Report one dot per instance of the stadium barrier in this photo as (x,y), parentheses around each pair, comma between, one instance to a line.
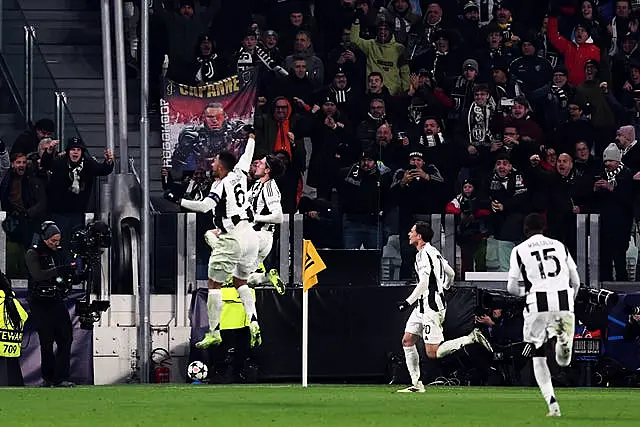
(115,336)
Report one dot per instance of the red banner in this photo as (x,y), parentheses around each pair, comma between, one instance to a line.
(198,122)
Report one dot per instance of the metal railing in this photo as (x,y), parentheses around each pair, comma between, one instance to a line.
(26,69)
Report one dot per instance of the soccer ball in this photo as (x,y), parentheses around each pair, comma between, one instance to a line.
(197,370)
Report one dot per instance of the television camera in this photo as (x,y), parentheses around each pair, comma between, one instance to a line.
(87,245)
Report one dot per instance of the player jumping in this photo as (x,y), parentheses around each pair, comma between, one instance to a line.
(550,285)
(265,201)
(434,276)
(234,243)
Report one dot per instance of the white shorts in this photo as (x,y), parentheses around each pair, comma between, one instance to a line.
(427,325)
(247,239)
(265,242)
(541,327)
(225,253)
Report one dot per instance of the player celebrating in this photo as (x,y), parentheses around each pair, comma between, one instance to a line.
(264,198)
(550,284)
(234,243)
(434,276)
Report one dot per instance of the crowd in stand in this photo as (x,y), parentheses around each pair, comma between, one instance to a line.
(40,181)
(486,109)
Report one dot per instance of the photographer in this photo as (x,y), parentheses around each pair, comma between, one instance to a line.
(46,299)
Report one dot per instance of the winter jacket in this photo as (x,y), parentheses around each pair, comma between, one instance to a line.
(61,198)
(575,56)
(385,58)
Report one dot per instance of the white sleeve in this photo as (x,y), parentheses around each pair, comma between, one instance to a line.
(273,200)
(424,271)
(244,163)
(574,277)
(208,203)
(513,285)
(450,274)
(419,290)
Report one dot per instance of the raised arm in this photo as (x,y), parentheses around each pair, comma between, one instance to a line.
(244,163)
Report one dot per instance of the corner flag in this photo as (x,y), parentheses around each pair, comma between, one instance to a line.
(312,265)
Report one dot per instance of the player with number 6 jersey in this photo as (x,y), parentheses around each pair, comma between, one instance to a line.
(234,243)
(550,283)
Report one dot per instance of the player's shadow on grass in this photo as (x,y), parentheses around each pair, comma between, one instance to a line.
(617,418)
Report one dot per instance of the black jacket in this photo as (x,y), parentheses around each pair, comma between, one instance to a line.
(43,265)
(61,199)
(517,201)
(21,224)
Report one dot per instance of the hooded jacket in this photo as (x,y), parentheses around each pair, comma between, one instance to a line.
(400,22)
(575,55)
(385,58)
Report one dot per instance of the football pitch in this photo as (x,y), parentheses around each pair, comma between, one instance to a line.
(319,405)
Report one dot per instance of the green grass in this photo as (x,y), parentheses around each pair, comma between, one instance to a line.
(319,405)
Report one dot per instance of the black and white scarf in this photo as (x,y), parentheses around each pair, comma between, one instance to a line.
(341,95)
(612,175)
(478,124)
(74,174)
(207,70)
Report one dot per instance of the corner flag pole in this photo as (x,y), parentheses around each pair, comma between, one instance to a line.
(312,264)
(305,338)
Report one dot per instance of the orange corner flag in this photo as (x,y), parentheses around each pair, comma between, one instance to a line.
(311,266)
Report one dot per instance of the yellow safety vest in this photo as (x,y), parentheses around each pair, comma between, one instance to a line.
(233,315)
(10,339)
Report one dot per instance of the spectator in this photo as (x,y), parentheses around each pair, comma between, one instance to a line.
(349,59)
(532,72)
(330,147)
(585,163)
(576,128)
(392,150)
(346,95)
(363,191)
(209,66)
(556,104)
(443,62)
(367,129)
(27,142)
(23,197)
(400,13)
(613,201)
(577,53)
(503,89)
(422,100)
(471,229)
(511,201)
(280,130)
(592,92)
(185,26)
(303,49)
(376,89)
(462,93)
(419,190)
(384,55)
(297,87)
(512,32)
(72,178)
(494,51)
(568,194)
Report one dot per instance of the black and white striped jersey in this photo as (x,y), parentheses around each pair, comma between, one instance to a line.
(265,201)
(228,196)
(550,279)
(434,276)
